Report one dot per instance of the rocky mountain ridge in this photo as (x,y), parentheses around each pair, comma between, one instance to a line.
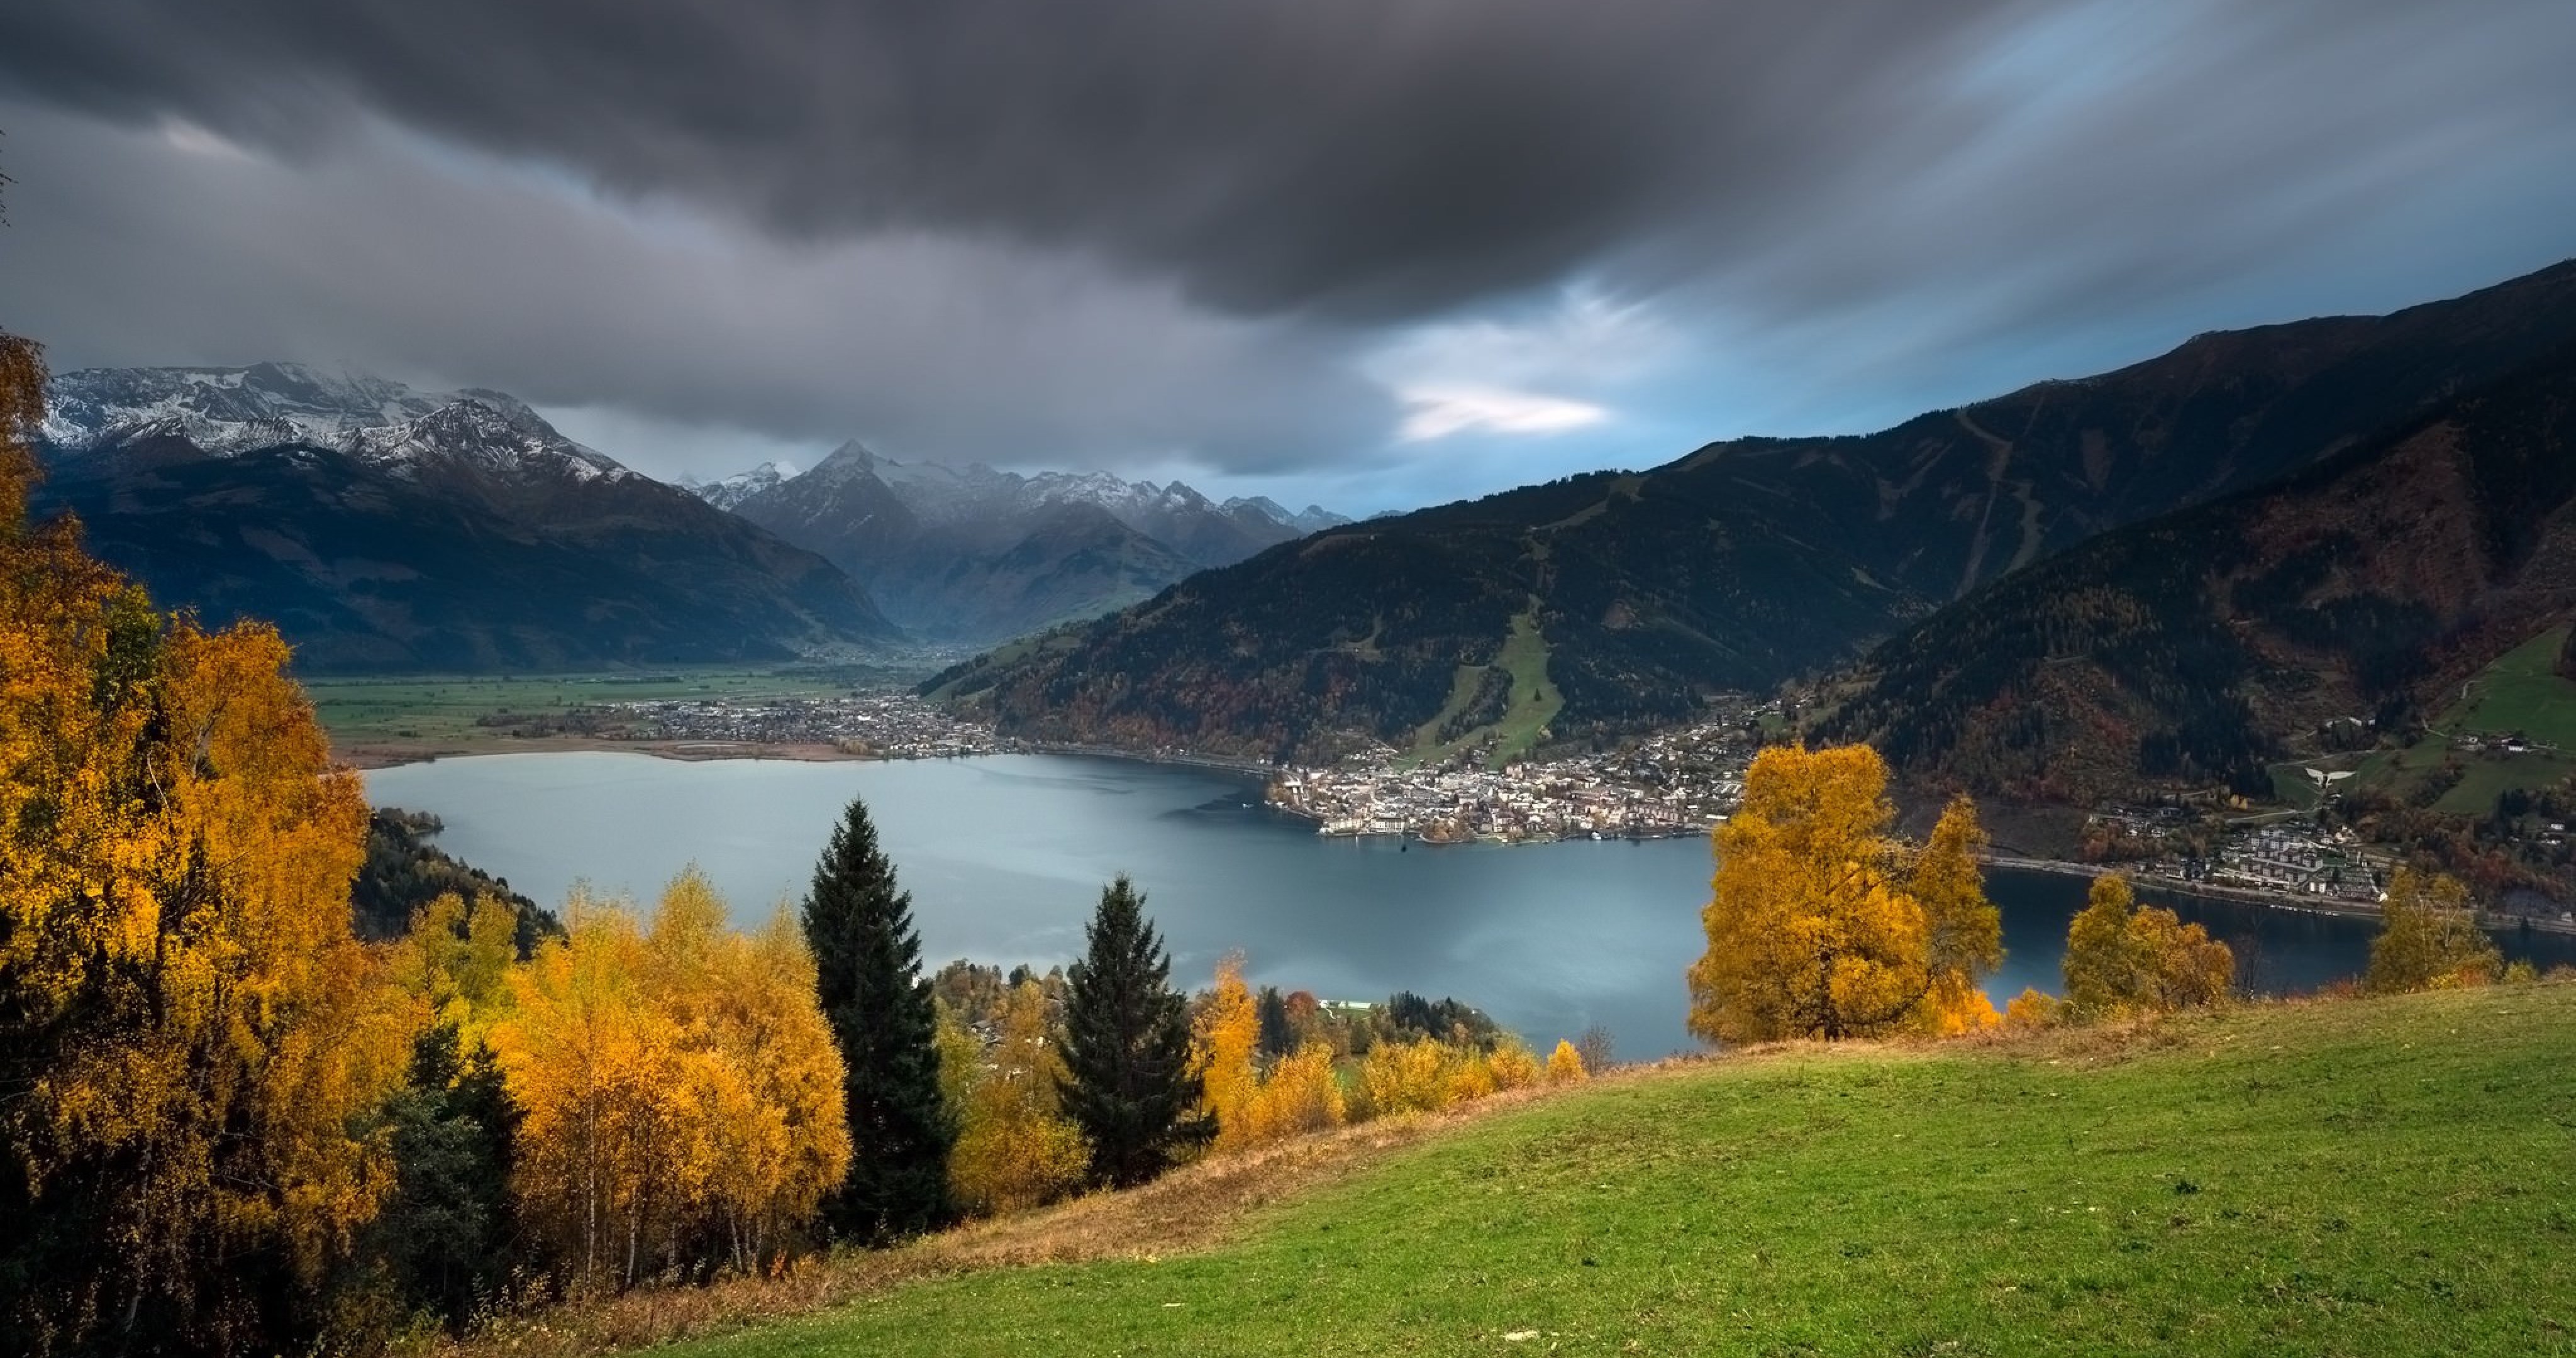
(385,528)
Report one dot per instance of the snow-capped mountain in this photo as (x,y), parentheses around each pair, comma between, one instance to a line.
(225,410)
(480,434)
(740,486)
(977,553)
(387,528)
(156,413)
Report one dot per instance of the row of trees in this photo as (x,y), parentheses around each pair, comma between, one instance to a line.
(1822,924)
(1106,1075)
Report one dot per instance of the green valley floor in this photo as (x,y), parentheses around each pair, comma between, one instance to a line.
(2356,1177)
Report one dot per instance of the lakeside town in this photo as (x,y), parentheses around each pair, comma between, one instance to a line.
(1670,784)
(860,725)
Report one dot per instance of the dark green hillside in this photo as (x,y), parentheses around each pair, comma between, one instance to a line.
(1747,562)
(2195,649)
(2366,1177)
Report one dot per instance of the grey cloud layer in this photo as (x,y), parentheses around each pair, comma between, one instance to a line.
(1358,155)
(1177,230)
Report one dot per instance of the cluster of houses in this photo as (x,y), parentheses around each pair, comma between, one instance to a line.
(878,725)
(1676,783)
(2291,855)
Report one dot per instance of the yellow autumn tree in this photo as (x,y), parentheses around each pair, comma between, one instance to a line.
(186,1030)
(1821,924)
(2122,960)
(1223,1042)
(1015,1148)
(1565,1064)
(2429,937)
(455,961)
(1964,932)
(680,1088)
(591,1063)
(768,1080)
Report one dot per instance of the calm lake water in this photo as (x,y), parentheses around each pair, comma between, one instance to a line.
(1005,856)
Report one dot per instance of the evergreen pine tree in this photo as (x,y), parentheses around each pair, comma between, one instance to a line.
(445,1232)
(1127,1048)
(1278,1038)
(867,973)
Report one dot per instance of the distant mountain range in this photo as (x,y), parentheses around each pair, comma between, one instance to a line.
(1605,602)
(384,528)
(977,554)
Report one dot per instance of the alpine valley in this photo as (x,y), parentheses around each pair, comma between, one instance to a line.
(977,554)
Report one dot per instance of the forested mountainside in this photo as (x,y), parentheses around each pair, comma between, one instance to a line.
(2196,648)
(975,554)
(1613,600)
(387,529)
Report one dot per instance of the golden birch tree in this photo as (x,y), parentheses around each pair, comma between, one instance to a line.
(1812,931)
(1015,1148)
(2429,937)
(1964,932)
(681,1090)
(2123,960)
(1223,1042)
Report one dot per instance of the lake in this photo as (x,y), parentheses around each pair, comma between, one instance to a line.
(1005,856)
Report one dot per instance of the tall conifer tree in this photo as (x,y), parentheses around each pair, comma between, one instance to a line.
(1127,1048)
(867,973)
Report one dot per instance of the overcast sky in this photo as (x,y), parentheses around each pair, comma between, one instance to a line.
(1375,253)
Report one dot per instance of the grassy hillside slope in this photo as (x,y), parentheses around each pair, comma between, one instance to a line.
(2384,1177)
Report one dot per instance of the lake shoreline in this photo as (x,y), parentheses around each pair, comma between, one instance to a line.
(371,756)
(2273,900)
(364,756)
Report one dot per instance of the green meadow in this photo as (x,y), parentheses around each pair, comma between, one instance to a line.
(2390,1176)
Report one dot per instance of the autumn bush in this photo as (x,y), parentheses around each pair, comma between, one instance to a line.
(1301,1094)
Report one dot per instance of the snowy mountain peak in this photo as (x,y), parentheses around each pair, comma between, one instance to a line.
(225,412)
(740,486)
(510,440)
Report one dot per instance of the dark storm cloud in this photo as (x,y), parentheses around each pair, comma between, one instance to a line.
(1432,245)
(1363,156)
